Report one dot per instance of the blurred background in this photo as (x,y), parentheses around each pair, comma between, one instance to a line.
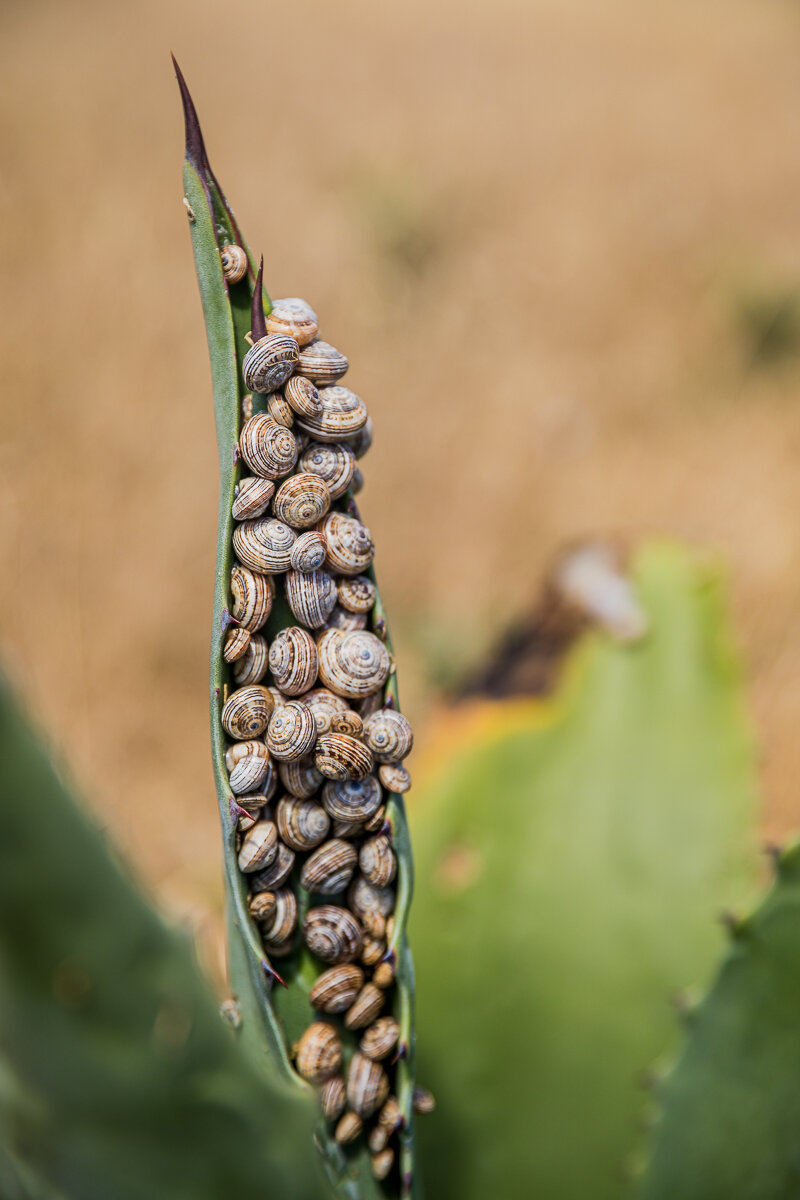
(560,243)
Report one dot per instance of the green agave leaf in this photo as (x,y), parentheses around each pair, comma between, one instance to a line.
(571,860)
(117,1076)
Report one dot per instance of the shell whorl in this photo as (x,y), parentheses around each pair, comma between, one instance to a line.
(292,732)
(350,548)
(334,462)
(269,449)
(311,595)
(343,415)
(269,362)
(352,664)
(264,545)
(293,660)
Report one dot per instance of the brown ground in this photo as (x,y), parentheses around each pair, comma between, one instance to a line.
(560,242)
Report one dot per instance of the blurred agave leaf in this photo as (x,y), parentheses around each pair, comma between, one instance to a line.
(571,857)
(117,1076)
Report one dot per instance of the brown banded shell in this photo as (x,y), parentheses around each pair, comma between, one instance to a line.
(377,861)
(249,774)
(259,847)
(340,756)
(300,777)
(352,664)
(293,660)
(423,1101)
(377,1139)
(391,1115)
(333,1098)
(347,829)
(356,593)
(322,363)
(383,975)
(332,461)
(372,951)
(239,750)
(363,439)
(350,548)
(292,732)
(389,735)
(332,933)
(374,923)
(375,822)
(301,823)
(330,868)
(340,618)
(365,1008)
(295,318)
(277,872)
(348,1129)
(308,552)
(261,905)
(247,407)
(252,595)
(264,545)
(348,722)
(280,410)
(382,1163)
(302,500)
(302,396)
(353,800)
(390,926)
(281,924)
(394,777)
(343,414)
(253,494)
(234,262)
(253,803)
(269,449)
(252,666)
(364,896)
(269,362)
(247,712)
(325,706)
(318,1053)
(236,643)
(246,821)
(367,1085)
(277,696)
(311,595)
(336,989)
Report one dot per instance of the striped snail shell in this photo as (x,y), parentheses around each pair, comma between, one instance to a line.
(365,1008)
(301,823)
(376,821)
(372,950)
(281,924)
(350,545)
(300,777)
(279,870)
(259,847)
(246,821)
(389,735)
(340,756)
(394,777)
(348,1129)
(378,1137)
(369,705)
(292,732)
(377,861)
(264,545)
(334,462)
(234,262)
(252,595)
(269,449)
(247,407)
(293,660)
(255,804)
(336,989)
(325,706)
(348,722)
(311,595)
(347,829)
(269,362)
(367,1085)
(352,664)
(236,643)
(277,695)
(383,975)
(357,482)
(302,500)
(391,1115)
(295,318)
(248,775)
(340,618)
(363,896)
(247,712)
(382,1163)
(253,494)
(333,1098)
(343,414)
(302,397)
(355,800)
(308,552)
(332,933)
(318,1053)
(374,924)
(280,410)
(261,905)
(423,1101)
(322,363)
(251,667)
(330,868)
(363,439)
(240,750)
(356,593)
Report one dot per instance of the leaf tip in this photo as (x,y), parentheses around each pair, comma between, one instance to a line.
(195,147)
(258,322)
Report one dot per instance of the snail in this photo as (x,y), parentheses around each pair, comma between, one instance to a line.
(259,847)
(340,756)
(389,735)
(357,482)
(348,1129)
(330,868)
(264,545)
(367,1085)
(295,318)
(352,664)
(382,1163)
(252,596)
(280,410)
(302,824)
(366,1006)
(378,1137)
(352,800)
(239,750)
(302,397)
(247,712)
(380,1039)
(251,667)
(340,618)
(321,363)
(383,975)
(391,1115)
(236,642)
(234,262)
(249,774)
(308,551)
(302,500)
(261,905)
(362,441)
(335,989)
(377,861)
(333,462)
(292,732)
(311,595)
(279,869)
(423,1100)
(300,777)
(356,593)
(252,498)
(325,706)
(364,896)
(394,777)
(372,951)
(293,660)
(280,926)
(350,548)
(332,933)
(348,722)
(333,1097)
(269,449)
(318,1053)
(273,356)
(343,415)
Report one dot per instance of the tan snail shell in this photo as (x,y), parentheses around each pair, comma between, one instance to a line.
(389,735)
(362,441)
(391,1115)
(382,1163)
(372,951)
(390,926)
(311,595)
(292,732)
(269,362)
(394,777)
(363,896)
(348,722)
(365,1008)
(374,924)
(423,1101)
(336,989)
(352,664)
(264,545)
(246,821)
(367,1085)
(333,461)
(280,410)
(340,618)
(356,593)
(318,1053)
(251,595)
(301,823)
(343,414)
(302,500)
(252,666)
(377,861)
(255,804)
(247,712)
(259,847)
(236,643)
(348,1129)
(332,933)
(330,868)
(375,822)
(239,750)
(333,1097)
(346,829)
(377,1139)
(253,494)
(293,660)
(354,800)
(295,318)
(325,706)
(249,774)
(302,397)
(322,363)
(269,449)
(300,777)
(308,552)
(350,548)
(247,407)
(281,924)
(234,262)
(383,975)
(261,905)
(340,756)
(277,872)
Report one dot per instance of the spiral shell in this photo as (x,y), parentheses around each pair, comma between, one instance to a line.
(292,732)
(352,664)
(239,750)
(389,735)
(383,975)
(349,543)
(261,905)
(363,897)
(340,756)
(394,777)
(375,823)
(269,449)
(355,800)
(302,500)
(249,774)
(343,415)
(293,660)
(340,618)
(423,1101)
(330,868)
(259,847)
(311,595)
(348,722)
(369,705)
(279,870)
(334,462)
(236,643)
(363,439)
(318,1053)
(251,667)
(247,712)
(356,593)
(280,410)
(374,924)
(372,951)
(255,805)
(382,1163)
(264,545)
(308,552)
(301,823)
(348,1129)
(336,989)
(300,777)
(253,494)
(295,318)
(234,262)
(302,397)
(269,362)
(281,924)
(367,1085)
(332,933)
(378,1137)
(377,861)
(365,1008)
(322,363)
(252,595)
(333,1098)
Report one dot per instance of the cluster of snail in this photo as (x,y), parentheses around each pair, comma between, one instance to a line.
(314,749)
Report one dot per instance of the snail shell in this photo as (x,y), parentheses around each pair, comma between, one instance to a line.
(292,731)
(318,1053)
(332,933)
(365,1008)
(374,924)
(367,1085)
(308,552)
(369,705)
(364,896)
(302,500)
(340,618)
(252,666)
(247,407)
(333,462)
(348,722)
(352,664)
(293,660)
(322,363)
(325,706)
(249,774)
(394,777)
(383,975)
(377,861)
(340,756)
(236,643)
(348,1128)
(253,803)
(349,543)
(382,1162)
(333,1098)
(280,410)
(391,1115)
(246,821)
(389,735)
(247,712)
(390,926)
(375,822)
(354,800)
(282,923)
(300,777)
(239,750)
(269,449)
(343,414)
(281,949)
(262,906)
(295,318)
(259,847)
(356,593)
(264,545)
(234,262)
(302,396)
(357,482)
(347,829)
(252,595)
(330,868)
(377,1139)
(311,595)
(269,362)
(423,1101)
(363,439)
(253,494)
(279,870)
(301,823)
(372,951)
(336,989)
